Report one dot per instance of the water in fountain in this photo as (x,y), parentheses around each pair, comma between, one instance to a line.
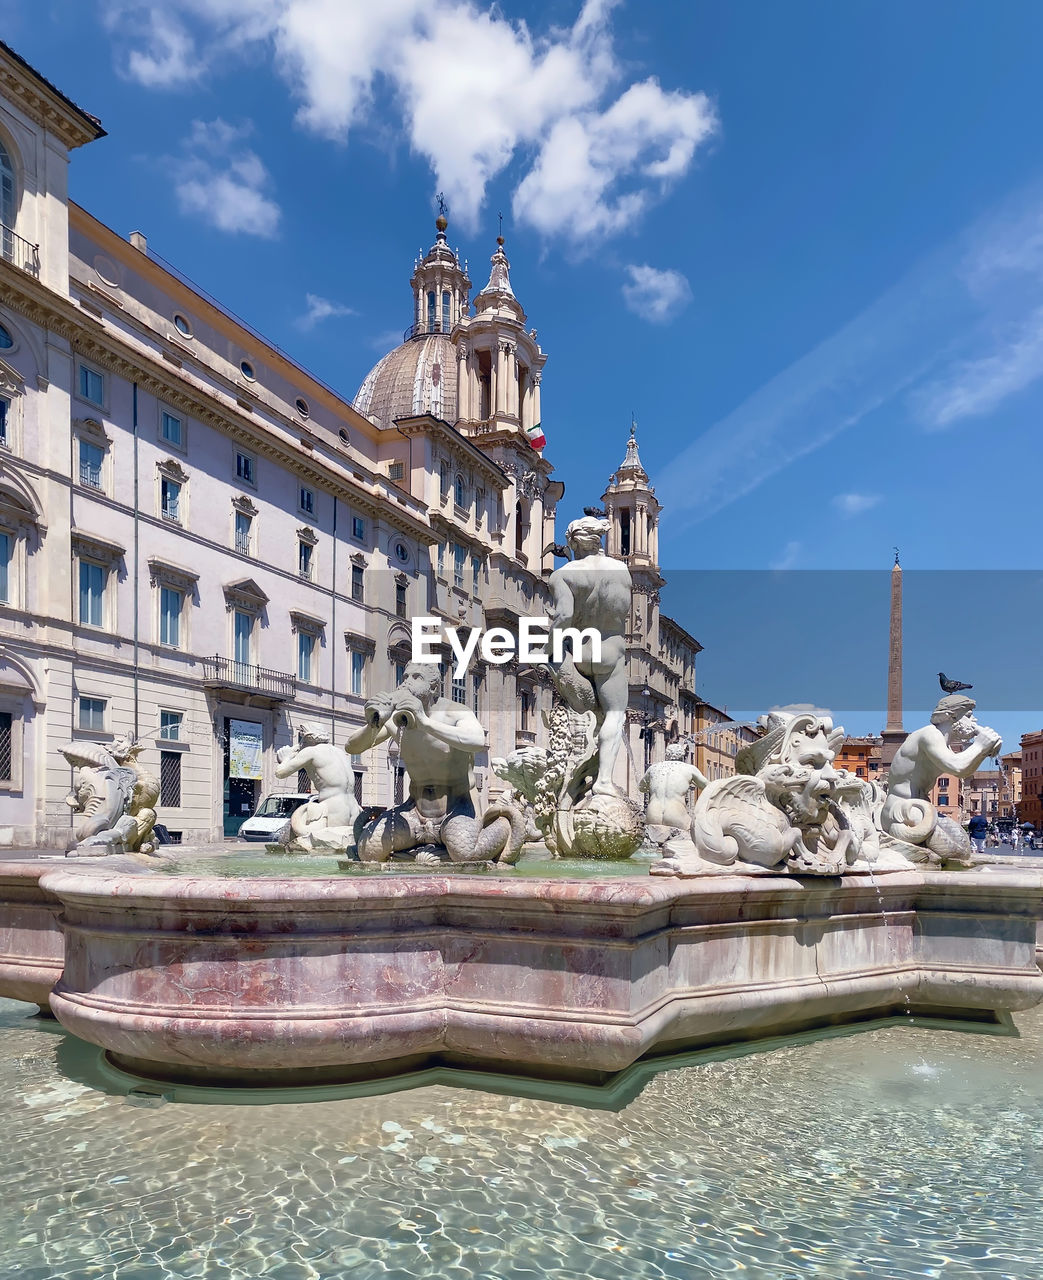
(822,1157)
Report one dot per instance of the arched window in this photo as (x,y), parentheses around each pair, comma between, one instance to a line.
(445,310)
(461,492)
(431,312)
(6,189)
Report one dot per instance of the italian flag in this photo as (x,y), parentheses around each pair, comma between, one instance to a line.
(536,437)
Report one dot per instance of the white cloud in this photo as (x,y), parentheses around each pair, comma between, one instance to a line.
(475,91)
(597,172)
(853,504)
(788,557)
(960,332)
(223,181)
(319,309)
(656,295)
(975,387)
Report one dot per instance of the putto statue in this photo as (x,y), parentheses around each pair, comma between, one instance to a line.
(780,812)
(438,740)
(115,797)
(953,743)
(577,807)
(326,821)
(668,784)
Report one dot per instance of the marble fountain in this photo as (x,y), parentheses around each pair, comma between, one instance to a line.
(791,896)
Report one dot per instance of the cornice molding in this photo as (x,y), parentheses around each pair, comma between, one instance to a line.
(163,573)
(90,339)
(95,547)
(45,106)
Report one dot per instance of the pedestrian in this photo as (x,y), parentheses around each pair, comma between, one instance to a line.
(978,829)
(1015,838)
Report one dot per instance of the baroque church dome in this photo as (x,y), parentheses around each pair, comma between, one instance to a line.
(419,376)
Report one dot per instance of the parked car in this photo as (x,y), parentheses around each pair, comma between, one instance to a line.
(271,815)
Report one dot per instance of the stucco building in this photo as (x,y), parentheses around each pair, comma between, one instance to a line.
(204,546)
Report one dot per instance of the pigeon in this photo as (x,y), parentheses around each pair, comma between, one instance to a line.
(557,549)
(598,512)
(951,686)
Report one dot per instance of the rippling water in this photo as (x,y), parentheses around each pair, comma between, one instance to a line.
(895,1152)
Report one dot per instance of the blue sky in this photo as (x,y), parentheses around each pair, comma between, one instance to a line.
(802,242)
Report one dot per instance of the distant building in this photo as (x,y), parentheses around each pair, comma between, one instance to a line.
(862,757)
(982,793)
(1010,793)
(1031,807)
(718,740)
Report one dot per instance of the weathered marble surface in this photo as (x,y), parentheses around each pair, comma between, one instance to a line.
(240,979)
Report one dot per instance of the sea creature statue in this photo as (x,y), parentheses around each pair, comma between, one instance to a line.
(953,743)
(326,821)
(668,784)
(437,740)
(115,795)
(578,808)
(778,813)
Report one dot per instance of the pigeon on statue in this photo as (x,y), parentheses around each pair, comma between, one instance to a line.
(951,686)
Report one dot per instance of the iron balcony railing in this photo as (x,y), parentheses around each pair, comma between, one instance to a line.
(90,476)
(226,673)
(425,326)
(18,251)
(242,543)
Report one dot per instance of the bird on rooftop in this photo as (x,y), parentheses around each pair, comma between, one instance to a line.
(951,686)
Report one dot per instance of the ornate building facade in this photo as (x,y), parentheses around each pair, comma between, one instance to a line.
(204,546)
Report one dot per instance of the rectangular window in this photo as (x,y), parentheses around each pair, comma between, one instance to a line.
(396,471)
(170,779)
(443,479)
(5,567)
(524,705)
(304,552)
(400,672)
(170,429)
(91,458)
(459,557)
(476,569)
(170,602)
(5,410)
(400,600)
(357,587)
(358,668)
(170,499)
(242,635)
(479,505)
(305,649)
(308,500)
(6,747)
(170,725)
(441,558)
(92,385)
(244,467)
(358,527)
(476,694)
(460,690)
(92,593)
(243,528)
(92,714)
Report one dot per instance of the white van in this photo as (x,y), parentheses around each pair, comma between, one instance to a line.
(272,815)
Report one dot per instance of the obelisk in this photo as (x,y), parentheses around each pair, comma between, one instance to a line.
(894,735)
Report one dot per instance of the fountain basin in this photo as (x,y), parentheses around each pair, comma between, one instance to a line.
(280,981)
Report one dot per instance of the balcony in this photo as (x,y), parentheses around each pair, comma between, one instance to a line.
(90,475)
(423,327)
(245,677)
(19,252)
